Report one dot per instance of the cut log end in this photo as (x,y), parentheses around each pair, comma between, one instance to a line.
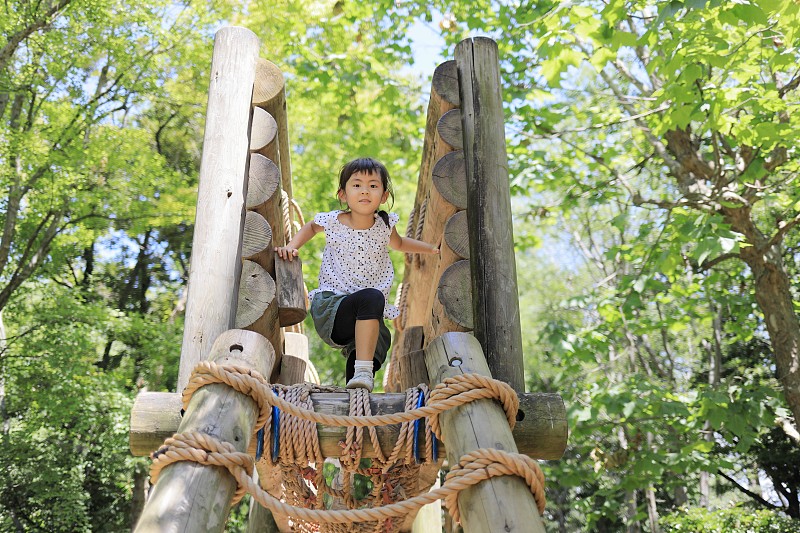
(450,178)
(256,291)
(269,82)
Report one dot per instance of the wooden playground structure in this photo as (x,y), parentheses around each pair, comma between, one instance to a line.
(252,416)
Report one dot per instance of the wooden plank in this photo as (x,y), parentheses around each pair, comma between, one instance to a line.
(494,281)
(292,298)
(541,431)
(193,497)
(497,504)
(216,244)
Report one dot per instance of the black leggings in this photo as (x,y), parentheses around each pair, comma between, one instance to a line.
(366,304)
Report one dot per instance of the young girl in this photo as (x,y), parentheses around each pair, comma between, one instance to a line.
(350,303)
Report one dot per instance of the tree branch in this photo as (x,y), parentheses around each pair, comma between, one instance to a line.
(750,493)
(14,40)
(783,229)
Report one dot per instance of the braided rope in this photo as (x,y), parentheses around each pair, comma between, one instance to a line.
(410,231)
(451,392)
(288,229)
(477,466)
(473,468)
(420,225)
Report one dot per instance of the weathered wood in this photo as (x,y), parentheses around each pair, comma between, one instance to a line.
(268,325)
(445,84)
(194,497)
(294,368)
(456,234)
(449,128)
(292,297)
(497,504)
(261,520)
(296,344)
(412,369)
(424,278)
(429,518)
(264,180)
(495,298)
(256,291)
(215,262)
(454,293)
(257,237)
(269,94)
(418,281)
(440,323)
(450,179)
(272,211)
(263,130)
(541,431)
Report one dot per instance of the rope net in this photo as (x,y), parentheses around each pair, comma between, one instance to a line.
(351,493)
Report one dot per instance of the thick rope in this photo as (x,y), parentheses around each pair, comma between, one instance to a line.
(473,468)
(420,225)
(451,392)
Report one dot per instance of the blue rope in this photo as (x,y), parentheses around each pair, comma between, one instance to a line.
(417,422)
(276,431)
(259,443)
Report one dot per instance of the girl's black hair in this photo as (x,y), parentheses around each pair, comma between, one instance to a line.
(367,165)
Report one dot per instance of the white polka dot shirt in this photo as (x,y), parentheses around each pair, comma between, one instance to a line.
(356,259)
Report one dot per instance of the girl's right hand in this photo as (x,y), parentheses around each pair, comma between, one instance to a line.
(286,252)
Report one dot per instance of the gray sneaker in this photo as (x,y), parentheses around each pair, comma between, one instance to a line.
(361,380)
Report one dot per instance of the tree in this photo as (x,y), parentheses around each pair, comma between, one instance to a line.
(659,138)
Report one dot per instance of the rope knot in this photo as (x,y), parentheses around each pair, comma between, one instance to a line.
(486,463)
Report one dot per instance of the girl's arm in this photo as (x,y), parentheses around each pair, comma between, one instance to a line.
(409,245)
(300,238)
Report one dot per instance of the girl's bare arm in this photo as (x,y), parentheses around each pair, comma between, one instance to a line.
(409,245)
(304,235)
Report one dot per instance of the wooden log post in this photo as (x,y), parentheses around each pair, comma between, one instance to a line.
(540,433)
(270,94)
(449,128)
(497,504)
(451,309)
(193,497)
(263,131)
(215,263)
(417,281)
(494,272)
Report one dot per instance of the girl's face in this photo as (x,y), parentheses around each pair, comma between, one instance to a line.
(364,193)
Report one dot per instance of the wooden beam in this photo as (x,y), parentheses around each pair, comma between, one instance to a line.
(494,272)
(541,432)
(216,245)
(497,504)
(194,497)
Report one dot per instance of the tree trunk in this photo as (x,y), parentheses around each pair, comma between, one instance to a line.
(774,297)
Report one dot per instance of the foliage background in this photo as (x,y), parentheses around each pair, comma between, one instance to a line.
(652,154)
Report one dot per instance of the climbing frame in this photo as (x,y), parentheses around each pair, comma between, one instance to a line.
(242,411)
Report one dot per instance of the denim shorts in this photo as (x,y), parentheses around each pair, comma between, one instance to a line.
(323,311)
